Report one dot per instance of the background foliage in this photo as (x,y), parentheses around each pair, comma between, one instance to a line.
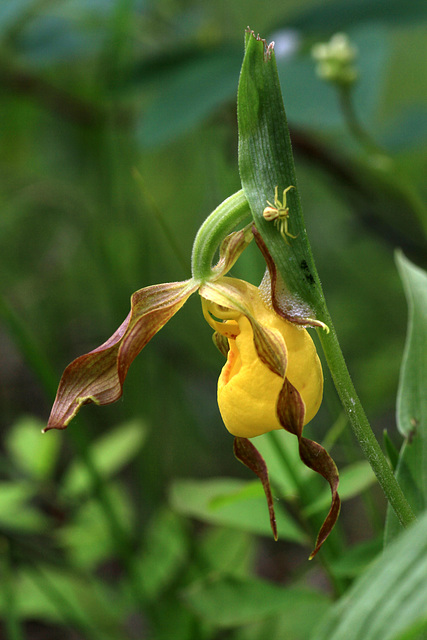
(118,138)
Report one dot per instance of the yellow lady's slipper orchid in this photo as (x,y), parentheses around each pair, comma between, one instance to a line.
(248,389)
(249,384)
(272,378)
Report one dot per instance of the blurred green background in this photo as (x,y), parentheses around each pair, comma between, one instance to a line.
(118,136)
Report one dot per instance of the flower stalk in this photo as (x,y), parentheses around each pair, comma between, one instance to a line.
(215,228)
(361,427)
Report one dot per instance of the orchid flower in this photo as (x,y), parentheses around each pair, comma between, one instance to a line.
(272,378)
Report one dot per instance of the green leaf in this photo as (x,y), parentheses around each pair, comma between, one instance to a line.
(280,450)
(355,560)
(411,470)
(228,601)
(165,550)
(87,539)
(389,600)
(33,453)
(188,93)
(233,503)
(266,162)
(58,595)
(412,397)
(224,553)
(15,511)
(109,453)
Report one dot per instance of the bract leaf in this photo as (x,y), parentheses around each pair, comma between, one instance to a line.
(266,164)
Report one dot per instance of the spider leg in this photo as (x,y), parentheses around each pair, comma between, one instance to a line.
(283,232)
(285,191)
(285,223)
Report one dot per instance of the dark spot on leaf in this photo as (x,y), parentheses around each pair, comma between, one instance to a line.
(307,273)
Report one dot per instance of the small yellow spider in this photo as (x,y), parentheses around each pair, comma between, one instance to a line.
(279,212)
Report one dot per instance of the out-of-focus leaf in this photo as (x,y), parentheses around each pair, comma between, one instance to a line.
(228,552)
(391,449)
(232,503)
(276,448)
(411,471)
(33,453)
(356,559)
(53,39)
(165,550)
(353,480)
(412,396)
(408,130)
(337,15)
(109,454)
(295,624)
(15,512)
(194,90)
(228,601)
(389,600)
(87,539)
(11,12)
(58,595)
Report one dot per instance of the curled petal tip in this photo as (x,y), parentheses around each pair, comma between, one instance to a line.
(98,376)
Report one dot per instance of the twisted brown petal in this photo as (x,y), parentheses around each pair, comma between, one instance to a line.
(290,411)
(245,451)
(98,376)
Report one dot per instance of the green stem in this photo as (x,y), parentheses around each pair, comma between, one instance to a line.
(361,427)
(219,224)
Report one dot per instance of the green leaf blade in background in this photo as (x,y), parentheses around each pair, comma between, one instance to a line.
(389,600)
(110,453)
(190,91)
(411,470)
(230,601)
(266,161)
(34,455)
(412,397)
(233,503)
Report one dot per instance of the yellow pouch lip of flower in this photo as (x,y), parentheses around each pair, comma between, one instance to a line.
(248,390)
